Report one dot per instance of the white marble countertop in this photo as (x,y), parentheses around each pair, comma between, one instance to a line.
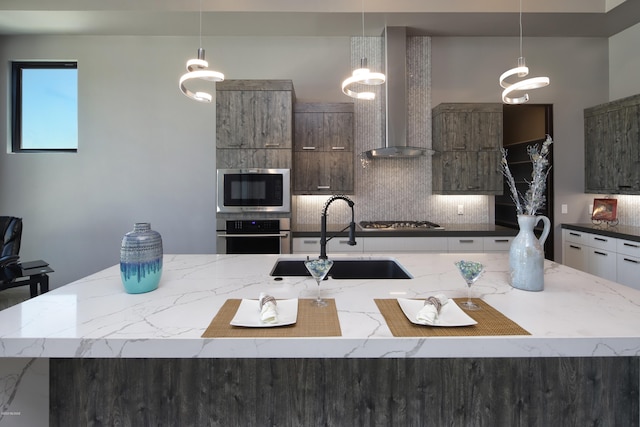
(576,315)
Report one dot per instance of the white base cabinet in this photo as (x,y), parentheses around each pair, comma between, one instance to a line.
(374,244)
(614,259)
(628,263)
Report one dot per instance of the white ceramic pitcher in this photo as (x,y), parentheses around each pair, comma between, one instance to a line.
(526,255)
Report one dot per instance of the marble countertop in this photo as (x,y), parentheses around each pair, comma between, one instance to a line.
(576,315)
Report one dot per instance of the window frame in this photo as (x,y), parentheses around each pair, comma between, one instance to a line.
(16,103)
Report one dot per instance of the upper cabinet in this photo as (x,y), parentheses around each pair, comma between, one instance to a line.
(467,139)
(323,148)
(612,147)
(254,123)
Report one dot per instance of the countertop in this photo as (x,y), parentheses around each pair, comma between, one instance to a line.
(626,232)
(576,315)
(450,230)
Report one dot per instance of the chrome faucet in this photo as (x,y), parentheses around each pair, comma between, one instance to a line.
(323,225)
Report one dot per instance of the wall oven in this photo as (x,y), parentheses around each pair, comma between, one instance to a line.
(253,236)
(254,190)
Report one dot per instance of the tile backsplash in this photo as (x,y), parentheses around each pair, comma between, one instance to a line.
(395,189)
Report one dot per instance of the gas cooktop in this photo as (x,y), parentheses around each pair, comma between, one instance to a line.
(400,225)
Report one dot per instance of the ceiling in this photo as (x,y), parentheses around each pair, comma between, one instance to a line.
(541,18)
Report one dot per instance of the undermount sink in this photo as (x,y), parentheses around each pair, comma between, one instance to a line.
(346,268)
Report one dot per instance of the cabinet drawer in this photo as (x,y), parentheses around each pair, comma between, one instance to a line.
(499,244)
(602,263)
(405,244)
(575,256)
(575,236)
(311,245)
(629,247)
(628,270)
(602,242)
(303,245)
(465,244)
(341,245)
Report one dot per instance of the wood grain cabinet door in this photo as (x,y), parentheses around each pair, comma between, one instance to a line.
(612,152)
(467,139)
(323,149)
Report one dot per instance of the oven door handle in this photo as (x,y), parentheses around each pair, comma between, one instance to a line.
(252,235)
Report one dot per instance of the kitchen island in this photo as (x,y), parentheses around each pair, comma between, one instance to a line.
(579,363)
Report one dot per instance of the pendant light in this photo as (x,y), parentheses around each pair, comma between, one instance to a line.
(197,69)
(522,71)
(362,76)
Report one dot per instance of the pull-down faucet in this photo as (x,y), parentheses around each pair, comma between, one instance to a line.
(323,225)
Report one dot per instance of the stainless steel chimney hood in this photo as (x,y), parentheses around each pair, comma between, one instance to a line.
(395,39)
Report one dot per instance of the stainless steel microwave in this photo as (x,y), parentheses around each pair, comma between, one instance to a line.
(254,190)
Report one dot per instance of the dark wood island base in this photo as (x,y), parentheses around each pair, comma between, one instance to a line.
(593,391)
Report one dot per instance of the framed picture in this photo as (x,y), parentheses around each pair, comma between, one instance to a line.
(604,209)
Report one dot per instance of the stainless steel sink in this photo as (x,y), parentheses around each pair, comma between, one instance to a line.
(346,268)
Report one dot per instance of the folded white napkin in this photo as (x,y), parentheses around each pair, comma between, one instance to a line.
(432,305)
(268,308)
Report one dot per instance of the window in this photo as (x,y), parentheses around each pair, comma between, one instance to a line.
(44,106)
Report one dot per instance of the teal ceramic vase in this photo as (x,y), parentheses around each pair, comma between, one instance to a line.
(141,259)
(526,255)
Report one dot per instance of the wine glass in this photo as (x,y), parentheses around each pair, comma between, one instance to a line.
(471,271)
(319,269)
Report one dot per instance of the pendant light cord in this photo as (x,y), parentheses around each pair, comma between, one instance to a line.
(521,28)
(201,22)
(363,18)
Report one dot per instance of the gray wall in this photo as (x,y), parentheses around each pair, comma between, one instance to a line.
(146,153)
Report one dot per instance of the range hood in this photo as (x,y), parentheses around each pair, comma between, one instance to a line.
(395,48)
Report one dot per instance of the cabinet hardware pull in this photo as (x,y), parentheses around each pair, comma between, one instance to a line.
(308,148)
(324,187)
(272,144)
(575,234)
(631,260)
(600,239)
(310,242)
(600,253)
(575,247)
(337,148)
(466,240)
(624,186)
(630,245)
(343,242)
(501,240)
(460,148)
(472,187)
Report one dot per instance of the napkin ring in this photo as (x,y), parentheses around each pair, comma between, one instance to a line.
(266,299)
(434,301)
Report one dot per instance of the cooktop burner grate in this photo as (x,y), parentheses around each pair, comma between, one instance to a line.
(399,225)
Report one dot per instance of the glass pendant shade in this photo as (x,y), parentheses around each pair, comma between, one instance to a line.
(197,69)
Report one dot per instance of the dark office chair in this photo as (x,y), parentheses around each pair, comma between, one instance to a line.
(10,237)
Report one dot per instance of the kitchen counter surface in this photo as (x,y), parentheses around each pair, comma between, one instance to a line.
(576,315)
(626,232)
(450,230)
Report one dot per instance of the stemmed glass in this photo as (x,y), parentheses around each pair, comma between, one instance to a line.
(319,269)
(471,271)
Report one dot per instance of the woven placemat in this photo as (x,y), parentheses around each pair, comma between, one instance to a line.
(312,321)
(490,322)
